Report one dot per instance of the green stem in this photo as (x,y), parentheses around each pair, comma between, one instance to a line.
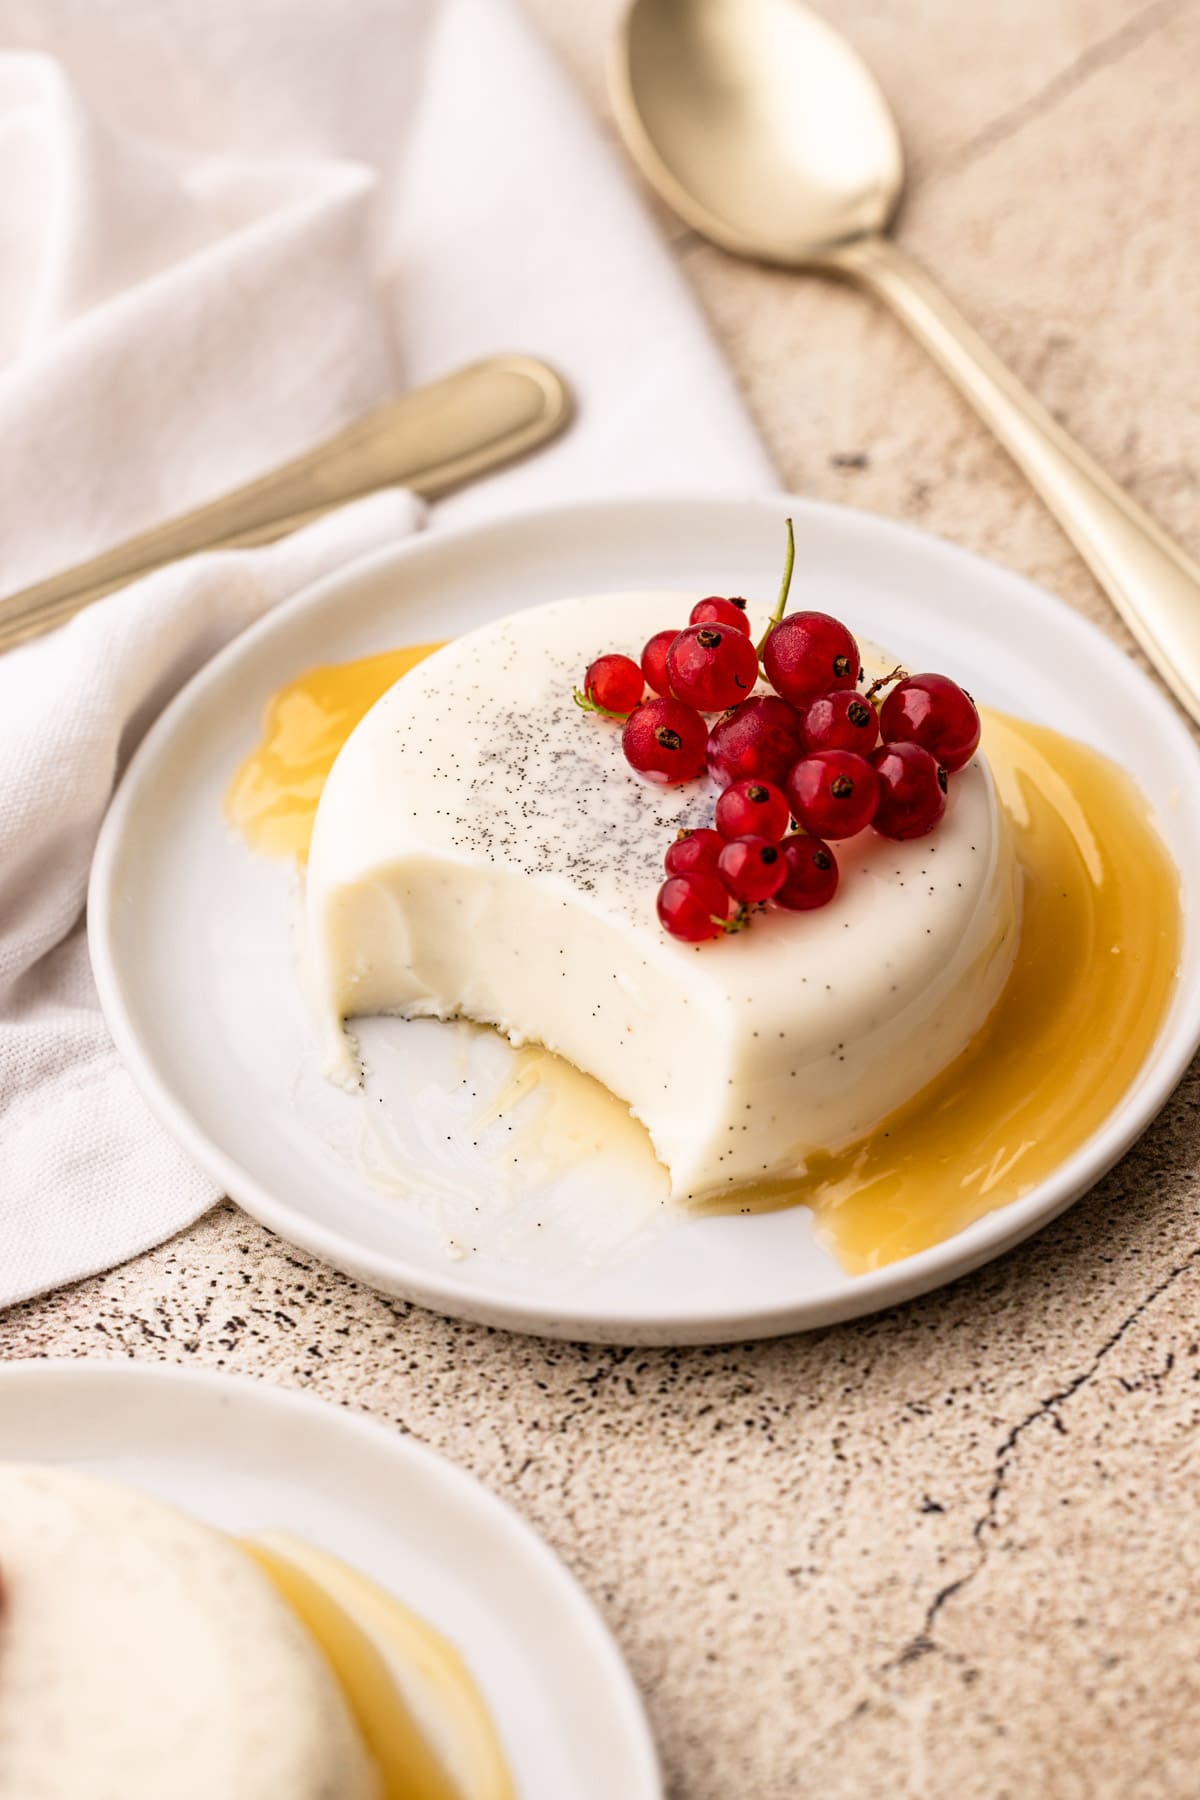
(784,586)
(585,703)
(739,922)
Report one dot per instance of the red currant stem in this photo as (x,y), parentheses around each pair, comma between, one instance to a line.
(585,703)
(784,587)
(739,922)
(885,681)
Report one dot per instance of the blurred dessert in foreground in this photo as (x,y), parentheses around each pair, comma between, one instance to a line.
(145,1655)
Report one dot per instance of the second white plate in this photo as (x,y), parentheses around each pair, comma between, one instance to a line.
(247,1457)
(191,938)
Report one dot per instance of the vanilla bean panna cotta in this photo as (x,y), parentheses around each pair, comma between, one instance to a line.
(144,1655)
(141,1654)
(482,849)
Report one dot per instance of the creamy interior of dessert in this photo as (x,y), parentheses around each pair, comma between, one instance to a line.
(482,849)
(144,1654)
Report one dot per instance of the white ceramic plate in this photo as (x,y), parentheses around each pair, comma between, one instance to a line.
(191,941)
(246,1457)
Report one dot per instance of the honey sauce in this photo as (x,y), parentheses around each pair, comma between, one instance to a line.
(378,1650)
(272,800)
(1093,977)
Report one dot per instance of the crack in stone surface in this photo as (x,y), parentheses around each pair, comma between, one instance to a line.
(1101,55)
(924,1641)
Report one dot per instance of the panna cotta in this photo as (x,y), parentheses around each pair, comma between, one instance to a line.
(483,850)
(143,1655)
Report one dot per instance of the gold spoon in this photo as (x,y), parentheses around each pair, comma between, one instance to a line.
(431,439)
(762,129)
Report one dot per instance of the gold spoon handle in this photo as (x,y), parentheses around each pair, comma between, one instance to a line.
(429,440)
(1153,584)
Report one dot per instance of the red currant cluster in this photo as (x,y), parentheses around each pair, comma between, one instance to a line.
(816,754)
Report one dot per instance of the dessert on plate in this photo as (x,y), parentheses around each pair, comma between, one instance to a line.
(841,903)
(145,1654)
(835,938)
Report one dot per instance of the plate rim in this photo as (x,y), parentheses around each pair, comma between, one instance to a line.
(992,1235)
(408,1453)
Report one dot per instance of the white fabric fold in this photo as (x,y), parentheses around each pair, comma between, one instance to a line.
(227,230)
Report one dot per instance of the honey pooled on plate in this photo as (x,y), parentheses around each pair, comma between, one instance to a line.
(272,800)
(400,1677)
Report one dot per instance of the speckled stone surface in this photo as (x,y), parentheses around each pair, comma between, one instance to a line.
(949,1551)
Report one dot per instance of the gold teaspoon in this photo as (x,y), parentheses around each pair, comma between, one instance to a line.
(762,128)
(431,439)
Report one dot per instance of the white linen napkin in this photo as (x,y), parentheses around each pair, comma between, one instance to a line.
(227,230)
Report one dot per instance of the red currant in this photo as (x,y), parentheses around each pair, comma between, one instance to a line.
(694,853)
(716,610)
(912,790)
(712,667)
(759,740)
(693,907)
(665,740)
(752,868)
(614,684)
(812,874)
(654,661)
(933,711)
(753,809)
(842,720)
(809,653)
(833,793)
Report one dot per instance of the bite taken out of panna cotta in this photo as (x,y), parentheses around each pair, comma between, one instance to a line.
(482,849)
